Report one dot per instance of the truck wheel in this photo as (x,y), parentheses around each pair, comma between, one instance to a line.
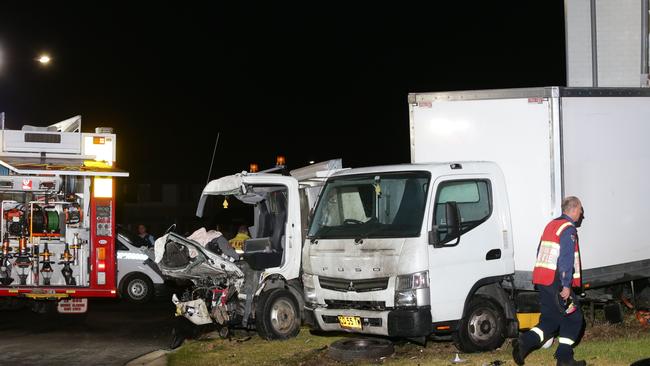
(137,288)
(483,328)
(277,315)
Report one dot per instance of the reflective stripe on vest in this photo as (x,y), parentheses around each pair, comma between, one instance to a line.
(577,266)
(548,253)
(562,227)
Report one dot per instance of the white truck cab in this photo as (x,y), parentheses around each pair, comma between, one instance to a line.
(276,201)
(380,257)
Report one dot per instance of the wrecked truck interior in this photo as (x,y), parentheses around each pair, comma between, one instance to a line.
(225,281)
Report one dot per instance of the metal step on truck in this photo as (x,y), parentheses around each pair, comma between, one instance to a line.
(57,216)
(258,287)
(446,245)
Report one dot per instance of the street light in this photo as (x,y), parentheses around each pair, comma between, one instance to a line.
(44,59)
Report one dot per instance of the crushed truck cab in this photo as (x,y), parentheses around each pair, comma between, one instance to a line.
(260,286)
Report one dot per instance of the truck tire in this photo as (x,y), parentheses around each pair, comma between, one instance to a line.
(483,328)
(277,315)
(137,288)
(356,349)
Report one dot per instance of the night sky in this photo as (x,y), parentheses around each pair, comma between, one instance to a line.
(311,83)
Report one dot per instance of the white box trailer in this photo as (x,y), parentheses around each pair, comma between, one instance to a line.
(447,244)
(553,142)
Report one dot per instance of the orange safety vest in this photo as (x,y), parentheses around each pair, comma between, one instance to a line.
(548,253)
(238,241)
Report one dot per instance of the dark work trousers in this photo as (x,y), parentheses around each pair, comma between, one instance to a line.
(553,322)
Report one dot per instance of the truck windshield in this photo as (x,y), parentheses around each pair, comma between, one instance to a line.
(386,205)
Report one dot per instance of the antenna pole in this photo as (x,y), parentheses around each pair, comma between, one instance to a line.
(216,143)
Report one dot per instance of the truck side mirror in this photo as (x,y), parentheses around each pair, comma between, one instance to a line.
(452,228)
(453,220)
(433,237)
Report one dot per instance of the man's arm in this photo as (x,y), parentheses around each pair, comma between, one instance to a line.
(567,256)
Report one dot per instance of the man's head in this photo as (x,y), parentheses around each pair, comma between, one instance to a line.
(243,229)
(572,207)
(142,229)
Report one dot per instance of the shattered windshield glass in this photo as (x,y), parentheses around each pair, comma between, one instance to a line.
(386,205)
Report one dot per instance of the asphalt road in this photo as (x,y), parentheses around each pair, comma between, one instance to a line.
(113,333)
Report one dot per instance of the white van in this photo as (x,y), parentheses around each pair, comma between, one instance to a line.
(138,278)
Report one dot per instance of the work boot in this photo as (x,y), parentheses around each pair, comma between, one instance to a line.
(571,362)
(518,353)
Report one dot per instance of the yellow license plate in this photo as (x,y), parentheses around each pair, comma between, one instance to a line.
(351,322)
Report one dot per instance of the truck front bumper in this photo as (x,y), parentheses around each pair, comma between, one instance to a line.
(407,323)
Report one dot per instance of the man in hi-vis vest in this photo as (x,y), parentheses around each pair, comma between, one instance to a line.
(557,271)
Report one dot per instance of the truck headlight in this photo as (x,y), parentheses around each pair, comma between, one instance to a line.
(308,280)
(309,288)
(406,298)
(406,294)
(190,310)
(310,295)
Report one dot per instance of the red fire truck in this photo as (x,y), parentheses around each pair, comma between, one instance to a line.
(57,215)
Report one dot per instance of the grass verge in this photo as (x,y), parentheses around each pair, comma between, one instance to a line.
(603,344)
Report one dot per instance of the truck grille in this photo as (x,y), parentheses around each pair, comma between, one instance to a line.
(339,284)
(357,305)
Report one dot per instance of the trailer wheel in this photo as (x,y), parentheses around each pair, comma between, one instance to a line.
(137,288)
(483,328)
(277,315)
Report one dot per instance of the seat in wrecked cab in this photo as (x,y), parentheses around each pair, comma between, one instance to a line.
(265,251)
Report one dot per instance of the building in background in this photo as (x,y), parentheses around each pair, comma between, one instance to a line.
(607,43)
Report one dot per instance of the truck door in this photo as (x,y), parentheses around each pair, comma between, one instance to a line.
(458,262)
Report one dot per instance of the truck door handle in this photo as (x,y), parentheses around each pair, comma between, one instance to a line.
(493,254)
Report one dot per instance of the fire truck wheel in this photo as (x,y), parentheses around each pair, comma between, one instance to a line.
(277,315)
(483,328)
(137,288)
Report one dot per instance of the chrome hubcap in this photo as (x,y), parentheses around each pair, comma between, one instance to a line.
(283,315)
(137,289)
(482,325)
